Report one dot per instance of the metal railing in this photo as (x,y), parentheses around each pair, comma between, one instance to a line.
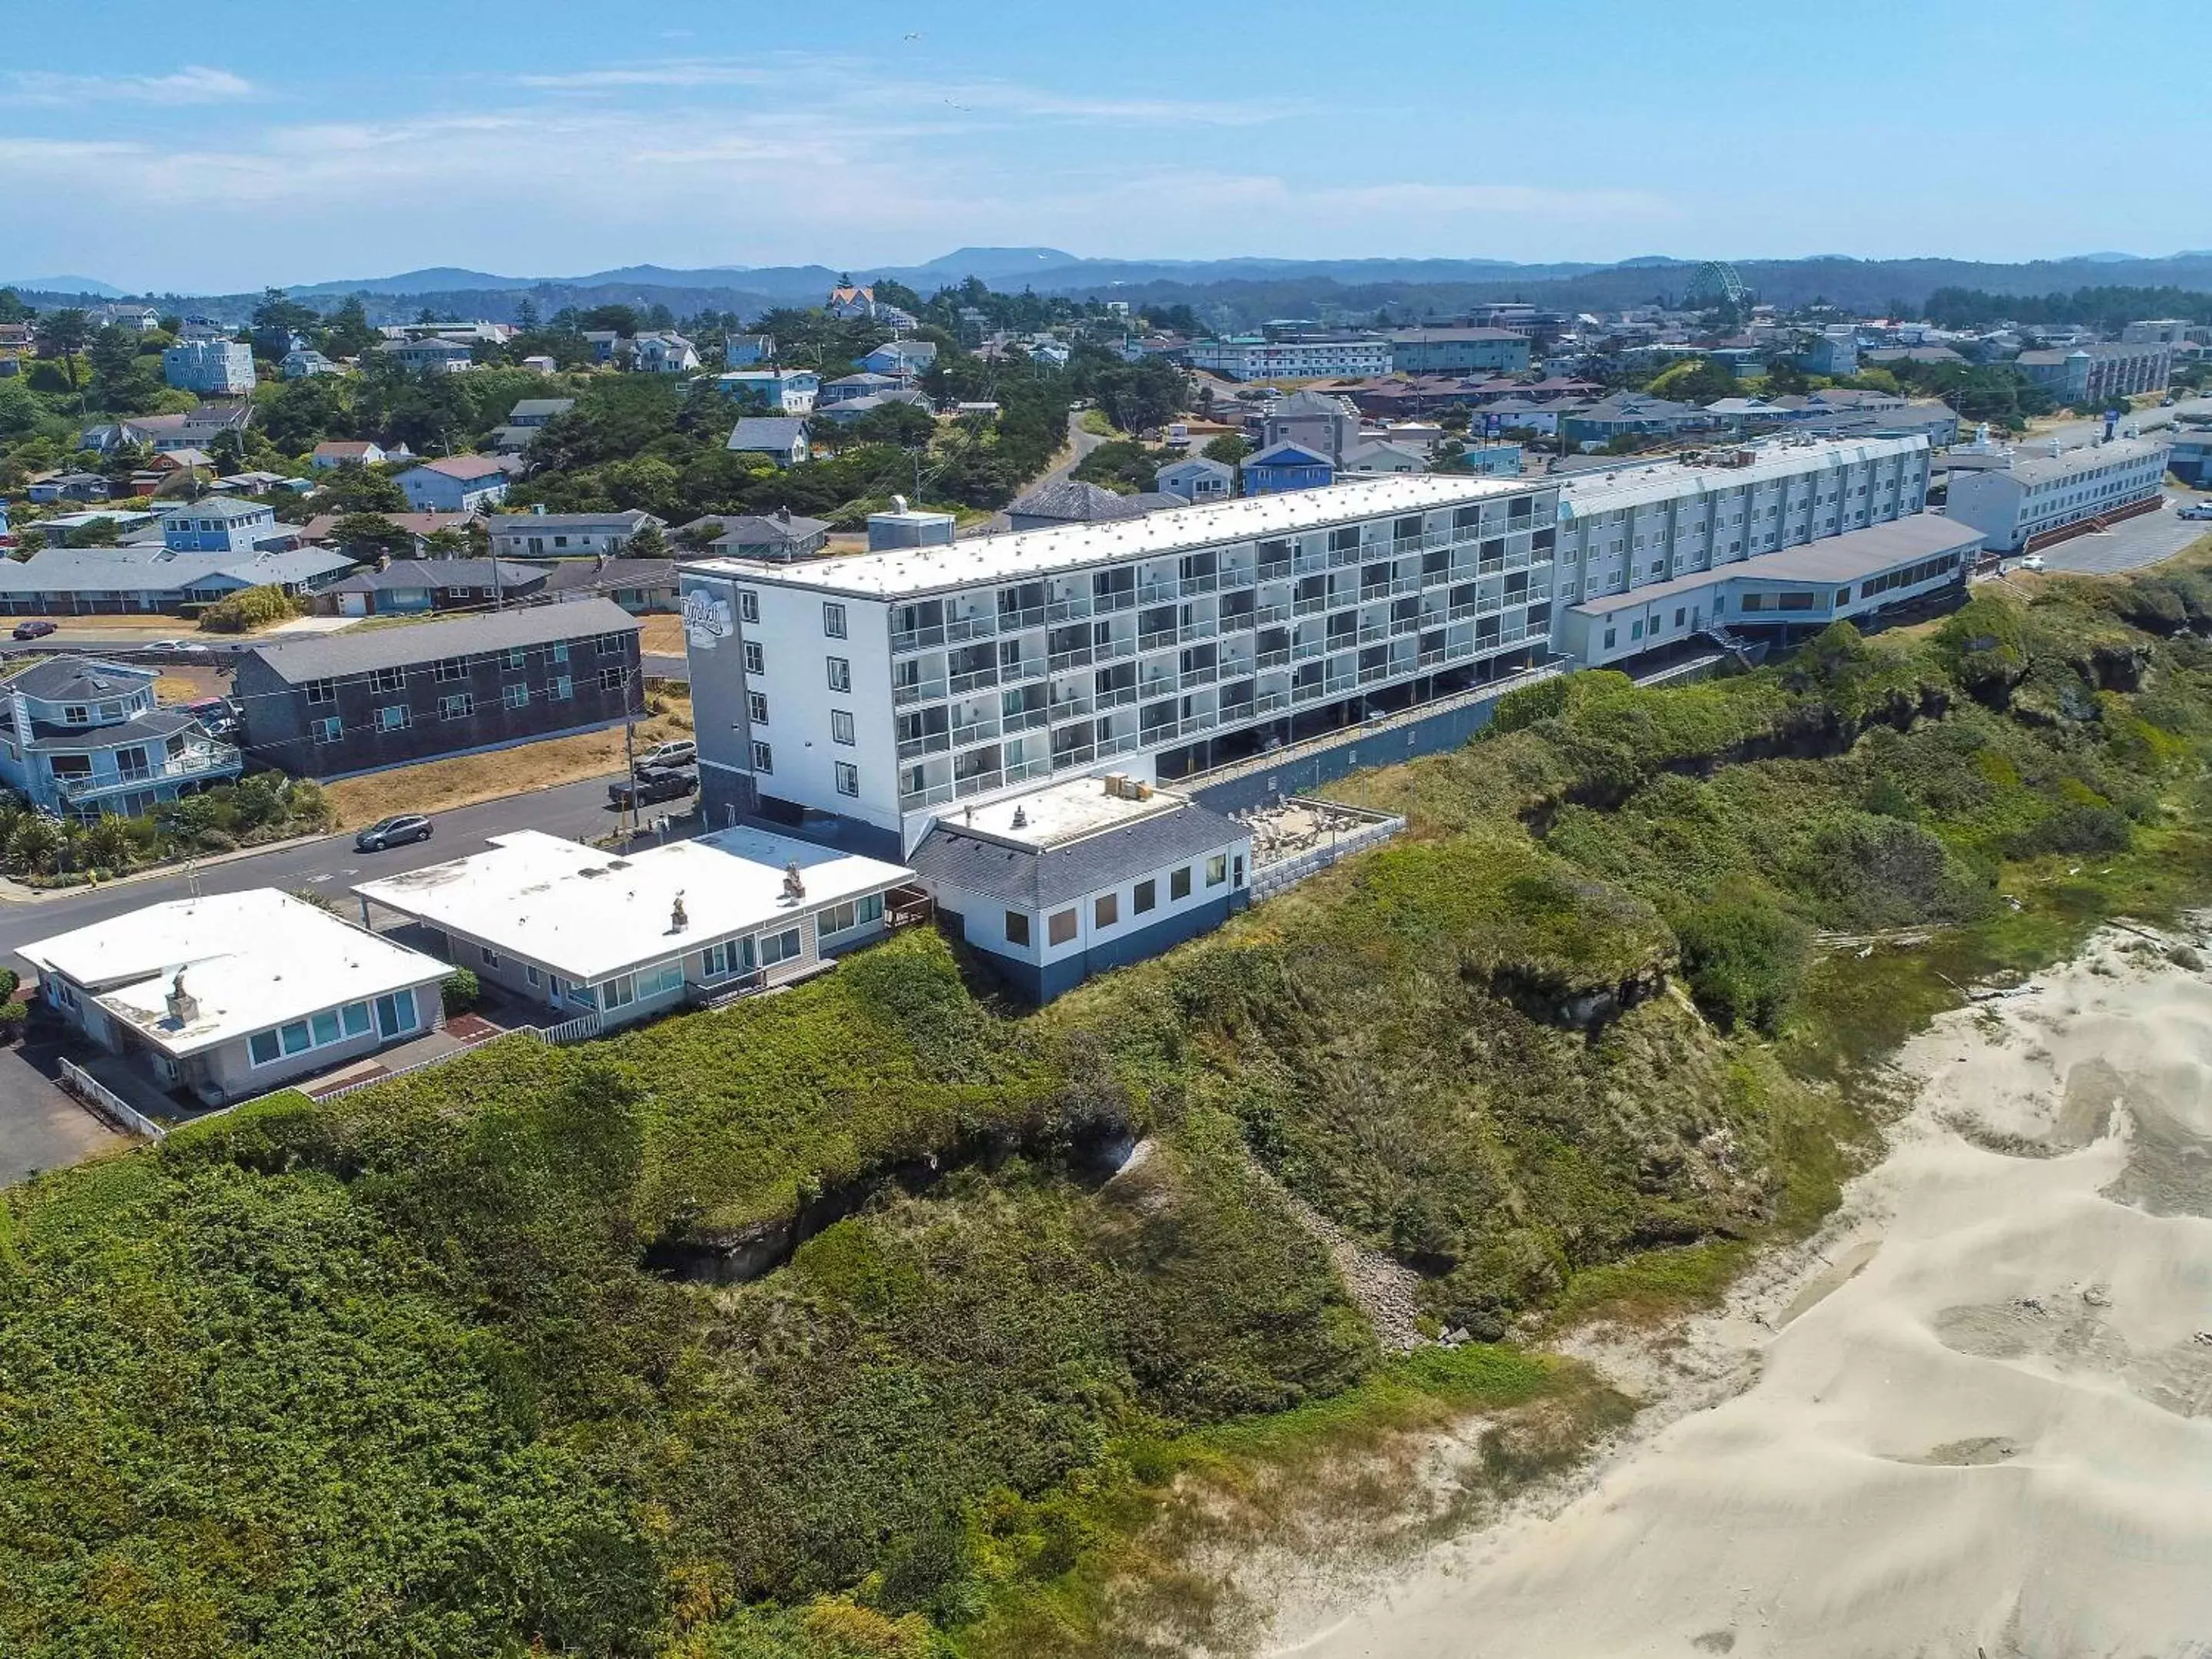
(929,742)
(916,639)
(197,762)
(922,692)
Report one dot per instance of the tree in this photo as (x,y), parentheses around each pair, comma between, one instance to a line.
(277,318)
(347,333)
(526,316)
(63,336)
(361,490)
(365,535)
(95,533)
(647,544)
(448,543)
(121,382)
(1229,448)
(12,309)
(621,320)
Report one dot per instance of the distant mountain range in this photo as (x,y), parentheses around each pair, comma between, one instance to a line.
(1226,292)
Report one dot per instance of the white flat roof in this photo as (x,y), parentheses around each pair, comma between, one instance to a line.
(1634,484)
(904,572)
(252,960)
(2030,467)
(585,913)
(1060,813)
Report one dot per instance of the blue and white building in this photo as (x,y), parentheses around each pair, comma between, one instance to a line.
(216,524)
(1285,467)
(778,390)
(83,737)
(1086,875)
(214,368)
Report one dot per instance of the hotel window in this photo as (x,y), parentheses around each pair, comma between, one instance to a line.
(559,653)
(1059,927)
(458,707)
(1144,897)
(847,776)
(320,691)
(1017,927)
(757,708)
(452,668)
(840,673)
(331,730)
(763,758)
(748,605)
(393,717)
(610,679)
(563,688)
(516,656)
(840,726)
(754,663)
(515,694)
(389,679)
(1106,910)
(833,621)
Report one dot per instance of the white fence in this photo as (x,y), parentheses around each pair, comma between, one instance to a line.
(579,1029)
(105,1103)
(1269,879)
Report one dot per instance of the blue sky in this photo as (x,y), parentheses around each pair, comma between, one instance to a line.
(229,145)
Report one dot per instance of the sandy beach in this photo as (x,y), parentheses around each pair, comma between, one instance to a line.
(1973,1417)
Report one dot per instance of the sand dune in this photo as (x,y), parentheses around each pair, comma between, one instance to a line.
(1981,1421)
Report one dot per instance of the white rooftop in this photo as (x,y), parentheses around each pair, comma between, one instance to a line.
(252,960)
(1639,484)
(585,913)
(2030,467)
(1059,813)
(904,572)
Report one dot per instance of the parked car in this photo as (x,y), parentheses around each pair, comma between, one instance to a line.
(677,752)
(33,631)
(649,787)
(2032,562)
(2197,510)
(393,832)
(172,647)
(218,714)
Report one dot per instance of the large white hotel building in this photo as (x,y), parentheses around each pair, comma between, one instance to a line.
(889,687)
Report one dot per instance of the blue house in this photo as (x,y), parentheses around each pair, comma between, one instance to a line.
(1287,466)
(900,359)
(84,738)
(218,525)
(457,483)
(743,350)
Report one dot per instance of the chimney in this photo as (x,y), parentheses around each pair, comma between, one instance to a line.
(678,920)
(794,887)
(783,515)
(184,1006)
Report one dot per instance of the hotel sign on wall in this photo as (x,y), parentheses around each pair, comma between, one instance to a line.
(706,619)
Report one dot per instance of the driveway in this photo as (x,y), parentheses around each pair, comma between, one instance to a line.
(41,1127)
(2131,543)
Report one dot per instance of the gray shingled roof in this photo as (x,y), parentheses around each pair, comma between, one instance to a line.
(442,573)
(1034,880)
(769,530)
(766,432)
(360,651)
(77,679)
(1072,501)
(150,727)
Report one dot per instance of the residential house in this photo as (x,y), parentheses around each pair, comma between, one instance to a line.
(139,320)
(620,936)
(346,452)
(337,704)
(743,350)
(225,996)
(1326,424)
(605,344)
(858,408)
(778,390)
(781,437)
(1082,876)
(850,302)
(195,429)
(901,360)
(418,587)
(778,537)
(531,413)
(69,486)
(1882,356)
(306,364)
(1285,467)
(664,352)
(1197,479)
(214,368)
(539,535)
(1631,415)
(641,587)
(219,525)
(430,357)
(1382,457)
(846,387)
(458,483)
(84,737)
(1072,500)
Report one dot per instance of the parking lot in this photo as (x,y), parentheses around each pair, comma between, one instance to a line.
(2132,544)
(41,1127)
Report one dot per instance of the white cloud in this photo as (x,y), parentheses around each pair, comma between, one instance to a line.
(195,84)
(673,73)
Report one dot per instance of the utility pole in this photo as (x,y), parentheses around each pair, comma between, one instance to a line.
(629,755)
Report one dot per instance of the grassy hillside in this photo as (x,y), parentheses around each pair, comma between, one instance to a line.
(409,1373)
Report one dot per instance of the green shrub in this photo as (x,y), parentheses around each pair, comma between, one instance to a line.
(13,1016)
(1744,960)
(256,607)
(460,992)
(10,980)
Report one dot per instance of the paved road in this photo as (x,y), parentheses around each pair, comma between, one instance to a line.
(2073,432)
(328,866)
(1080,443)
